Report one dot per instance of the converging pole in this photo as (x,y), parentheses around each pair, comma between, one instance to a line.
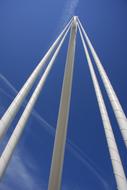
(112,146)
(117,108)
(11,112)
(14,139)
(62,123)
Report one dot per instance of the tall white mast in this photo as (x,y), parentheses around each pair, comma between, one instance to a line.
(62,123)
(11,112)
(117,108)
(14,139)
(112,146)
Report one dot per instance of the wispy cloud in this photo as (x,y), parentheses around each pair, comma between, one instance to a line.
(20,173)
(69,10)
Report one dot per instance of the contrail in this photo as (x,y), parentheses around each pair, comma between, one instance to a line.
(85,160)
(73,148)
(8,83)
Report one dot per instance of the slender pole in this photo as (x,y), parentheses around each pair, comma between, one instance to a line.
(15,137)
(117,108)
(11,112)
(112,146)
(62,123)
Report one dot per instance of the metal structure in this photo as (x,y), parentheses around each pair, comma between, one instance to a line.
(55,176)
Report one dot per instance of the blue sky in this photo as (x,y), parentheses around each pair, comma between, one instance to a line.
(27,29)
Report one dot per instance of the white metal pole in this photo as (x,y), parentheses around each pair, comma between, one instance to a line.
(9,115)
(14,139)
(112,146)
(117,108)
(62,123)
